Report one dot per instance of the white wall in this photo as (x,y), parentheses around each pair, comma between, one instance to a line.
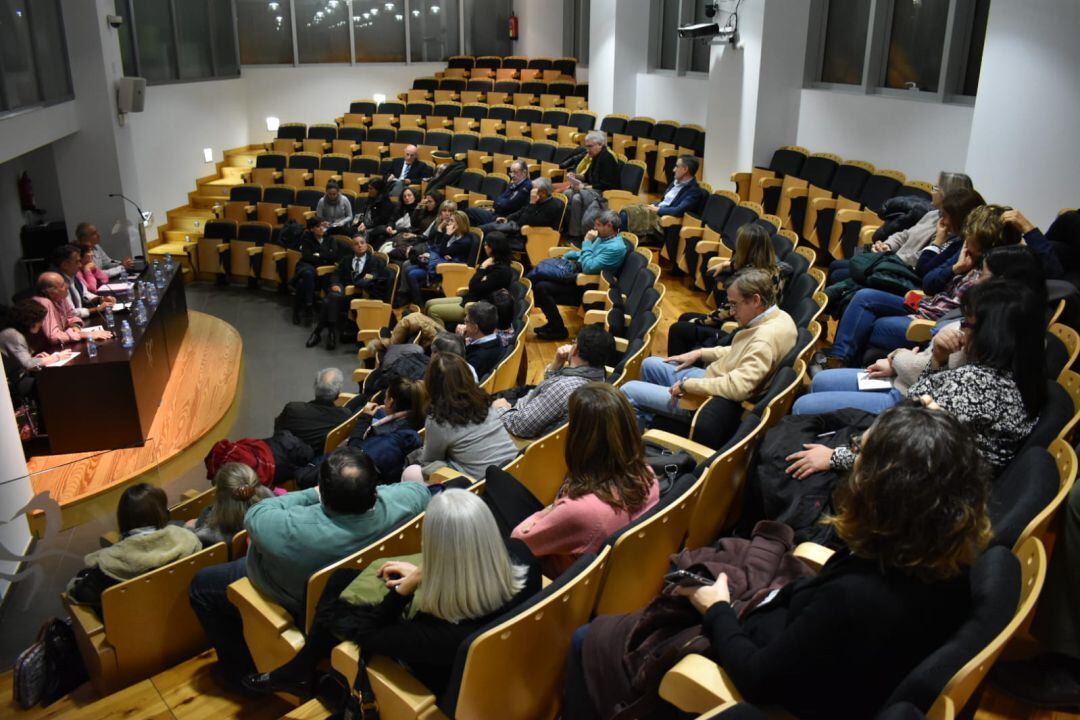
(25,131)
(16,491)
(41,169)
(541,23)
(1023,149)
(916,137)
(666,96)
(169,136)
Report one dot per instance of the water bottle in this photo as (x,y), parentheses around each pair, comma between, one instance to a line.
(159,276)
(126,338)
(151,298)
(169,263)
(138,312)
(91,348)
(110,321)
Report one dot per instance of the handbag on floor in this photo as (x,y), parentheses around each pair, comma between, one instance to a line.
(50,668)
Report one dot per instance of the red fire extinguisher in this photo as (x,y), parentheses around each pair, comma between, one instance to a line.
(513,26)
(26,193)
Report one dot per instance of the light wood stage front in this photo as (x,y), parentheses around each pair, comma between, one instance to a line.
(197,409)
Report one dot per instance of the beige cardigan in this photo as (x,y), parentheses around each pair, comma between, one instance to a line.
(743,370)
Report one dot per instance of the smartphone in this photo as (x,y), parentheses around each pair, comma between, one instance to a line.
(685,578)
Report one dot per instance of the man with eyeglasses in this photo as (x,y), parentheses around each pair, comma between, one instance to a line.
(515,197)
(738,372)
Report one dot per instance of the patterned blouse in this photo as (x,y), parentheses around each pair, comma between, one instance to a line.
(984,399)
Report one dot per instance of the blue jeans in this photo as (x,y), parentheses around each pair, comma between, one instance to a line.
(839,270)
(416,277)
(833,390)
(651,395)
(219,618)
(873,318)
(577,703)
(481,216)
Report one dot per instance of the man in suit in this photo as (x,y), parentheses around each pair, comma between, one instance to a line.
(542,211)
(86,233)
(406,171)
(361,269)
(66,261)
(682,195)
(312,421)
(483,349)
(515,197)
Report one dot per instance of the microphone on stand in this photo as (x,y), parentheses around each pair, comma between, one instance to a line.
(144,218)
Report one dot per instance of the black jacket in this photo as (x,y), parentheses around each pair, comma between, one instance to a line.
(484,356)
(318,253)
(542,214)
(311,421)
(836,645)
(496,276)
(380,211)
(418,171)
(461,250)
(377,287)
(603,172)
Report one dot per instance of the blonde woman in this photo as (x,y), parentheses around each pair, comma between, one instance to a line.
(237,488)
(456,244)
(466,578)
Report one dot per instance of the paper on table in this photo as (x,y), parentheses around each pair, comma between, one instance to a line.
(92,328)
(868,383)
(115,287)
(66,360)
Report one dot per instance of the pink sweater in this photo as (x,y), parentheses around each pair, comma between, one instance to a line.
(93,278)
(561,533)
(61,325)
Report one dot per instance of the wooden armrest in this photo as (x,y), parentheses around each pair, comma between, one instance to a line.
(560,250)
(222,247)
(308,214)
(595,316)
(738,177)
(797,192)
(190,494)
(707,246)
(692,401)
(920,331)
(677,443)
(713,262)
(670,220)
(820,204)
(279,255)
(621,344)
(442,268)
(109,538)
(242,591)
(249,209)
(843,216)
(84,618)
(610,195)
(461,156)
(583,279)
(444,474)
(366,335)
(691,232)
(697,684)
(482,203)
(359,375)
(460,198)
(770,182)
(280,211)
(350,290)
(594,296)
(813,554)
(254,250)
(396,689)
(325,270)
(730,326)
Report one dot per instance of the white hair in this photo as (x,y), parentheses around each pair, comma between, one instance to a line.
(597,137)
(328,384)
(467,569)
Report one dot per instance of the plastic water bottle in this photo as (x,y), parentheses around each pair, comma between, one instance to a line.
(159,276)
(169,263)
(127,340)
(138,312)
(91,348)
(151,297)
(110,321)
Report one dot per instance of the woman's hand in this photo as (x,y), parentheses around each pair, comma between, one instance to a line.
(401,577)
(371,407)
(942,234)
(720,267)
(705,596)
(881,369)
(945,343)
(813,459)
(965,263)
(391,230)
(685,360)
(1015,217)
(879,246)
(488,263)
(928,402)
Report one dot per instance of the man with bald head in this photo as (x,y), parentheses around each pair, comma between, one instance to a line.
(407,170)
(62,324)
(87,234)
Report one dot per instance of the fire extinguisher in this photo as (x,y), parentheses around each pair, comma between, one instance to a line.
(513,26)
(26,193)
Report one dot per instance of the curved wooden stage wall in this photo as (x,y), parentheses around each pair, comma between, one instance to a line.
(197,409)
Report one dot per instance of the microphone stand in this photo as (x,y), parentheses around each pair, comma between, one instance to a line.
(143,217)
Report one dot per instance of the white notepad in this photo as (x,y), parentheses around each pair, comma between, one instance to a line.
(66,360)
(868,383)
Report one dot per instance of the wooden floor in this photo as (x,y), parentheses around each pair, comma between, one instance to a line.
(194,410)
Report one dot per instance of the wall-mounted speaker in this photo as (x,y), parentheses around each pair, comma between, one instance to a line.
(130,94)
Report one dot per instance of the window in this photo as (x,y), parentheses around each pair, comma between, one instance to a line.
(267,37)
(488,27)
(701,50)
(170,40)
(930,48)
(50,49)
(322,31)
(576,30)
(669,34)
(671,52)
(433,30)
(154,40)
(33,55)
(193,30)
(379,30)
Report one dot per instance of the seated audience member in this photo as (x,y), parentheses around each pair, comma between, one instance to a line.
(294,536)
(608,484)
(598,171)
(753,249)
(604,249)
(456,245)
(407,170)
(312,420)
(838,644)
(401,222)
(379,211)
(67,261)
(998,392)
(935,261)
(682,195)
(878,319)
(365,272)
(515,197)
(468,578)
(504,310)
(543,210)
(147,542)
(734,373)
(493,274)
(387,433)
(115,269)
(408,360)
(236,489)
(276,460)
(334,208)
(463,431)
(89,274)
(545,407)
(483,347)
(17,324)
(317,248)
(61,324)
(839,387)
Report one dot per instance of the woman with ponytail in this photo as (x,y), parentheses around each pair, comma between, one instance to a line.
(237,488)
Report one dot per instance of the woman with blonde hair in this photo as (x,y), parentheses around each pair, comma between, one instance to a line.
(608,484)
(236,488)
(456,244)
(467,577)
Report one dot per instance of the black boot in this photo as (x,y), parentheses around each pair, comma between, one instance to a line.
(331,340)
(253,283)
(315,338)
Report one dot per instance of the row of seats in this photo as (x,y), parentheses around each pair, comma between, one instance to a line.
(565,65)
(564,91)
(423,114)
(503,73)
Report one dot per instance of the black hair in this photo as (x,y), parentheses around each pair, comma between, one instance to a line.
(22,315)
(691,163)
(500,247)
(63,252)
(142,505)
(378,185)
(448,342)
(504,307)
(595,345)
(347,481)
(1019,264)
(1009,334)
(313,222)
(332,184)
(484,315)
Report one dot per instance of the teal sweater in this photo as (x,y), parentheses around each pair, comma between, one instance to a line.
(294,536)
(599,254)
